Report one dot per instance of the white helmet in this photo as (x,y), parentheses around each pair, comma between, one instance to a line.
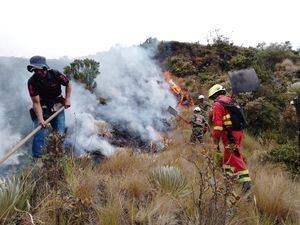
(201,97)
(197,109)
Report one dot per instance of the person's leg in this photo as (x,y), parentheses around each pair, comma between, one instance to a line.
(200,136)
(38,141)
(237,163)
(193,137)
(58,123)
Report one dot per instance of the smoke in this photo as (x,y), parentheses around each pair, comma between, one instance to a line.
(81,122)
(130,81)
(13,103)
(137,94)
(15,122)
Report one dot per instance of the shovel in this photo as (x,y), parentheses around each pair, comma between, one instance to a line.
(244,81)
(174,112)
(22,142)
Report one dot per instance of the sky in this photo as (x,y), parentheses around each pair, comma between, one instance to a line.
(73,28)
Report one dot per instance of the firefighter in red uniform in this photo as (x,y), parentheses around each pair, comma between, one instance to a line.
(233,163)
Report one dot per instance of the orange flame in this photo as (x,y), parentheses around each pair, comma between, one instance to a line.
(183,97)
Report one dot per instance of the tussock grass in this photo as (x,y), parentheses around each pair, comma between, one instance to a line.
(181,185)
(163,210)
(122,162)
(250,145)
(137,186)
(84,184)
(113,212)
(277,195)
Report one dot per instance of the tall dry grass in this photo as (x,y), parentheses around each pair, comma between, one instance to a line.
(278,196)
(181,185)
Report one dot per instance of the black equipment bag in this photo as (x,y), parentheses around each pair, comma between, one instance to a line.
(237,115)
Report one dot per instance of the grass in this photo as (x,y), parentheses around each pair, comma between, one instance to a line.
(277,195)
(180,185)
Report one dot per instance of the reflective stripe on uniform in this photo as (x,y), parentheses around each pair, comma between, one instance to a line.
(228,170)
(243,176)
(227,123)
(245,179)
(243,172)
(227,116)
(218,128)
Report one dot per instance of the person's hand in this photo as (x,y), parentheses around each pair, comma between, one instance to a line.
(217,147)
(67,103)
(42,123)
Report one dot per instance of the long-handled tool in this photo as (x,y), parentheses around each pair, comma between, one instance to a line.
(22,142)
(244,81)
(174,112)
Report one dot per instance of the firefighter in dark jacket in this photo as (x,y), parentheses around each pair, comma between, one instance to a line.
(45,91)
(233,163)
(199,126)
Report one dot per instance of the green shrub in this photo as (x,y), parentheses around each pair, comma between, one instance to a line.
(85,71)
(181,66)
(287,154)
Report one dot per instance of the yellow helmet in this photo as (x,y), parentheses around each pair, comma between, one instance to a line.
(214,89)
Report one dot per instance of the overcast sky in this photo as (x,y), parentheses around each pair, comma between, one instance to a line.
(56,28)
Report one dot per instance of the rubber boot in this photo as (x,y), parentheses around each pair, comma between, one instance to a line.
(246,186)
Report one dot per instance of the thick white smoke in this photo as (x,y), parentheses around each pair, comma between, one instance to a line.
(13,103)
(8,135)
(134,86)
(15,122)
(137,99)
(81,122)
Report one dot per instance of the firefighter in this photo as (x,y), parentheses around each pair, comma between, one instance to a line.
(199,126)
(233,163)
(204,105)
(44,87)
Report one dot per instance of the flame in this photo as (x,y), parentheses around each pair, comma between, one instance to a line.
(163,138)
(183,97)
(158,144)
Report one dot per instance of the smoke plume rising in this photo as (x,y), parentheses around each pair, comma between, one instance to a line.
(132,84)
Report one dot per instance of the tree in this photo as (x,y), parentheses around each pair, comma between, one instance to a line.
(84,71)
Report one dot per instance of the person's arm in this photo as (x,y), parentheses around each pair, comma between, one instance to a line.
(63,80)
(38,110)
(68,95)
(217,124)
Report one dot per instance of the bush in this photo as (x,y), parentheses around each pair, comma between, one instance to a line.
(181,66)
(287,154)
(84,71)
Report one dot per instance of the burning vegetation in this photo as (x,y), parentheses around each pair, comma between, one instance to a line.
(180,185)
(184,100)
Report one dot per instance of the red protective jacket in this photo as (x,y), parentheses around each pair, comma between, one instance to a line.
(232,163)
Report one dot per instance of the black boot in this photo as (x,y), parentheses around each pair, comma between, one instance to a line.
(246,186)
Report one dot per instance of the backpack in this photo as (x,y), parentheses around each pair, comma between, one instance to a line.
(237,115)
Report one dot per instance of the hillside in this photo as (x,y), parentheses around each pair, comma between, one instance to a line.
(181,183)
